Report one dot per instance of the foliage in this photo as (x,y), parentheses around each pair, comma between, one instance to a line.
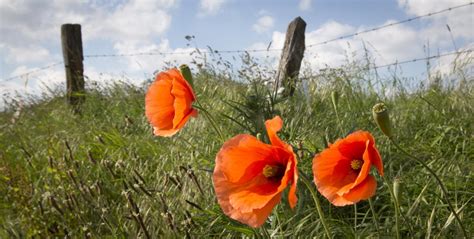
(102,172)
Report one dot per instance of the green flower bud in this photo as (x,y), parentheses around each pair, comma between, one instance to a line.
(186,72)
(381,117)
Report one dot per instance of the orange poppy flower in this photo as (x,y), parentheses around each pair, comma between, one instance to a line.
(168,103)
(250,176)
(341,172)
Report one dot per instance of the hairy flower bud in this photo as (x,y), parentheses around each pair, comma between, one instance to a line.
(382,118)
(186,72)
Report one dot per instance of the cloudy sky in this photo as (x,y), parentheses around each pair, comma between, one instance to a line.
(30,33)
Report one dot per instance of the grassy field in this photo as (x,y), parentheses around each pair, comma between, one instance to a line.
(103,174)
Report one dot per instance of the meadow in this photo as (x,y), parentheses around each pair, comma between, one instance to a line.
(102,173)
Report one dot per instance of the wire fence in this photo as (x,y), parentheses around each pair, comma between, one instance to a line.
(422,59)
(33,71)
(342,37)
(279,49)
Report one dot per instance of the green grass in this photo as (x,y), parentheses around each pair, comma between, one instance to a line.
(103,174)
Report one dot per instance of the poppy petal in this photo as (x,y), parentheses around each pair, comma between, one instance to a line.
(354,145)
(255,197)
(159,102)
(331,171)
(335,176)
(364,171)
(242,158)
(183,100)
(340,201)
(248,175)
(176,75)
(292,198)
(256,218)
(241,161)
(164,132)
(168,103)
(273,126)
(375,158)
(246,198)
(192,113)
(363,191)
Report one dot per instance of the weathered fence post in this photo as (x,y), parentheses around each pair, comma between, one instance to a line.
(291,57)
(71,41)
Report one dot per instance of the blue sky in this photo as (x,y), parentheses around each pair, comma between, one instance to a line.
(29,33)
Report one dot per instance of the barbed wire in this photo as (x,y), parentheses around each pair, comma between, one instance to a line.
(32,72)
(421,59)
(154,53)
(389,25)
(396,63)
(367,68)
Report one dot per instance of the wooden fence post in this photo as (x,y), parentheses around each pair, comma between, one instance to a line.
(71,41)
(291,57)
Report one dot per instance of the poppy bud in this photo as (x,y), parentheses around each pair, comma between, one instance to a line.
(186,72)
(381,117)
(335,98)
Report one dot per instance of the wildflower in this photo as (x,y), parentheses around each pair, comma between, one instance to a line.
(341,172)
(168,103)
(250,176)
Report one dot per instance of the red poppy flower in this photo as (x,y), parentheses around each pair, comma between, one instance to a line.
(168,103)
(341,172)
(250,176)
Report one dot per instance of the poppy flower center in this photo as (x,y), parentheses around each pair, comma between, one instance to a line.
(273,171)
(356,164)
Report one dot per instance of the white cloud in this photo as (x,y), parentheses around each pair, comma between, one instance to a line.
(38,83)
(305,5)
(210,7)
(435,30)
(136,20)
(272,56)
(263,24)
(38,22)
(457,63)
(395,43)
(34,83)
(30,30)
(331,54)
(420,7)
(150,64)
(26,54)
(387,45)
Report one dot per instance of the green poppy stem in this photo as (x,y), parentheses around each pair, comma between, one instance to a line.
(310,187)
(210,119)
(396,206)
(440,183)
(355,217)
(334,98)
(374,216)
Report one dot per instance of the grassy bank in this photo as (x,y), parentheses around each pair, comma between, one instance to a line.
(103,173)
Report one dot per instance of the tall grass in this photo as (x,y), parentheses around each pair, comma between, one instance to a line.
(102,172)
